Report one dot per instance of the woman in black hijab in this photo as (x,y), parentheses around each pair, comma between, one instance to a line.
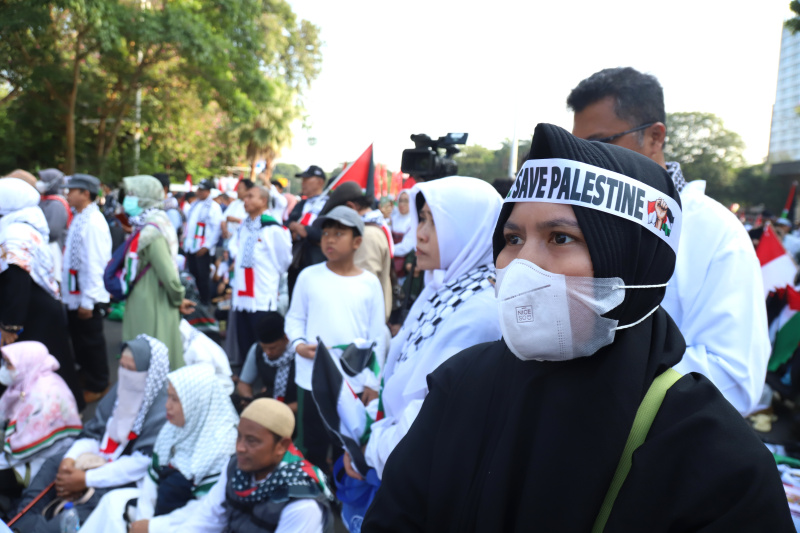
(526,434)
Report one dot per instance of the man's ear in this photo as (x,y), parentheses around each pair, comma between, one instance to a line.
(351,205)
(282,446)
(654,138)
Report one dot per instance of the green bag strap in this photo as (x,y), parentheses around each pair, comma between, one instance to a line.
(641,427)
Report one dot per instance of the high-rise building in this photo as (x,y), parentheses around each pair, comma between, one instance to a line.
(784,138)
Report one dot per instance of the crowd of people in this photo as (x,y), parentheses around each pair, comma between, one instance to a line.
(574,350)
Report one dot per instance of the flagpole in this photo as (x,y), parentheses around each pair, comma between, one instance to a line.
(513,155)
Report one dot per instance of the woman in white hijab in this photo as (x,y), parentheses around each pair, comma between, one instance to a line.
(31,308)
(190,452)
(455,218)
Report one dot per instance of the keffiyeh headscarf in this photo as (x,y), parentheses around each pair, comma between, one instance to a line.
(151,356)
(75,253)
(675,172)
(24,234)
(205,443)
(283,365)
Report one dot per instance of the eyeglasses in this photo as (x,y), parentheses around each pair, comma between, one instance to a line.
(613,138)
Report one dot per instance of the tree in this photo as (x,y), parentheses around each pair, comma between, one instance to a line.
(84,60)
(271,130)
(705,150)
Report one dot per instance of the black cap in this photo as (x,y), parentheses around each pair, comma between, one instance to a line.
(312,172)
(206,185)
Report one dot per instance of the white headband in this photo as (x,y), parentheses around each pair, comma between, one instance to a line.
(563,181)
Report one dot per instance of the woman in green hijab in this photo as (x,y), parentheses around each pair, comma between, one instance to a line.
(157,296)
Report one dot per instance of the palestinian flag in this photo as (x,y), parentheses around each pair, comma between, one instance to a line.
(361,171)
(666,227)
(777,267)
(785,327)
(339,406)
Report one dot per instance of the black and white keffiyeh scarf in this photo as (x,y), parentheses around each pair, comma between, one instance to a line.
(441,305)
(137,222)
(74,254)
(283,364)
(156,378)
(248,238)
(674,169)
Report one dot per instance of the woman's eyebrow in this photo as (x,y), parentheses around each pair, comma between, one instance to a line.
(510,226)
(558,223)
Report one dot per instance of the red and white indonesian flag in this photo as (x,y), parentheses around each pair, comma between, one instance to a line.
(777,267)
(339,406)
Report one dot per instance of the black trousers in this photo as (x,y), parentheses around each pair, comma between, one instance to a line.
(247,330)
(89,346)
(200,267)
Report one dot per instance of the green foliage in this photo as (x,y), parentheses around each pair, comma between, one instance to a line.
(480,162)
(288,171)
(793,24)
(73,67)
(705,150)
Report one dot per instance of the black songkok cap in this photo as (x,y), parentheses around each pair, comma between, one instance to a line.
(617,247)
(270,329)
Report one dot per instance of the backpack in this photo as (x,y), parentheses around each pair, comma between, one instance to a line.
(120,275)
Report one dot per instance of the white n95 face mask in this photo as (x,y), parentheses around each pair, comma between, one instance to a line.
(7,376)
(552,317)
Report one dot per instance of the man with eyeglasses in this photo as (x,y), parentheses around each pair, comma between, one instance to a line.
(716,294)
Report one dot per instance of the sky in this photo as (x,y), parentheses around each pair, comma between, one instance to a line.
(390,69)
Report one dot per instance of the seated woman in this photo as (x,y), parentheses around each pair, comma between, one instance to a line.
(528,432)
(190,452)
(39,413)
(115,447)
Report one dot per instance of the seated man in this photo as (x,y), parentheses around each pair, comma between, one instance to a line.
(270,361)
(267,486)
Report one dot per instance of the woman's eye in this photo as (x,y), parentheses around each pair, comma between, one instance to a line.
(513,240)
(562,238)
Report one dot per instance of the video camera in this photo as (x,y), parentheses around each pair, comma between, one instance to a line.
(424,162)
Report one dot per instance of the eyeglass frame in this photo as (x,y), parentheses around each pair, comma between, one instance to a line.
(611,138)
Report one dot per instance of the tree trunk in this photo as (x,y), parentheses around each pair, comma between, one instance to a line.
(73,98)
(253,167)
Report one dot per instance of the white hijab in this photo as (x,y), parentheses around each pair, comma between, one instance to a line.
(465,212)
(24,234)
(402,223)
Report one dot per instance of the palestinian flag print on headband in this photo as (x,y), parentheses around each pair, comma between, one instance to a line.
(339,406)
(656,210)
(563,181)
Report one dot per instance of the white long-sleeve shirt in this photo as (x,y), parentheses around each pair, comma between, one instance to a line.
(207,515)
(203,231)
(716,298)
(258,289)
(121,471)
(95,253)
(337,309)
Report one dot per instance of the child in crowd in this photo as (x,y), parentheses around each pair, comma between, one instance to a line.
(269,361)
(338,303)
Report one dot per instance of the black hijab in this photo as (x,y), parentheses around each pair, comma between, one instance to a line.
(618,247)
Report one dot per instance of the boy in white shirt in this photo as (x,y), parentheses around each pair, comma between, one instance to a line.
(203,229)
(262,250)
(339,303)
